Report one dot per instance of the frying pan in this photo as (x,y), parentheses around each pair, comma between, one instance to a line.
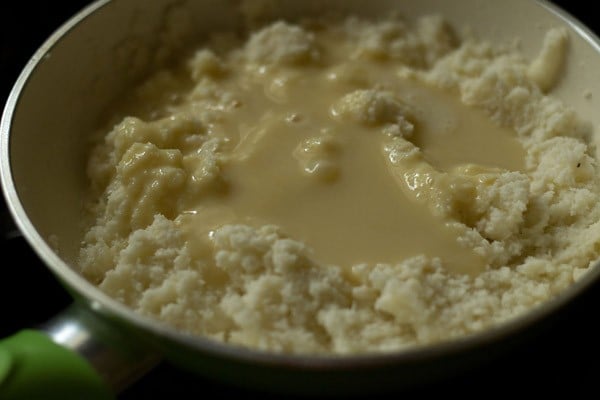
(98,346)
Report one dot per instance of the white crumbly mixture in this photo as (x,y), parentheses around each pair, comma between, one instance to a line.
(538,229)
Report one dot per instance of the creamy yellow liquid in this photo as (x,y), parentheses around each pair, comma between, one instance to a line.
(356,211)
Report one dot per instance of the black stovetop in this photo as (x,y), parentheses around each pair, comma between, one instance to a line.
(565,358)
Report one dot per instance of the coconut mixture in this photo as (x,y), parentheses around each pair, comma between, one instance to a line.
(344,186)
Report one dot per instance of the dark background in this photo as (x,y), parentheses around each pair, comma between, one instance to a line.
(563,359)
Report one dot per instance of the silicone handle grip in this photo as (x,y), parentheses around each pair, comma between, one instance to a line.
(32,366)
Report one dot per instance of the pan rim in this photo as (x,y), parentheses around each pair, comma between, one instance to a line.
(107,307)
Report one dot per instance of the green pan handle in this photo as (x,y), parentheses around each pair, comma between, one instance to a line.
(78,354)
(32,366)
